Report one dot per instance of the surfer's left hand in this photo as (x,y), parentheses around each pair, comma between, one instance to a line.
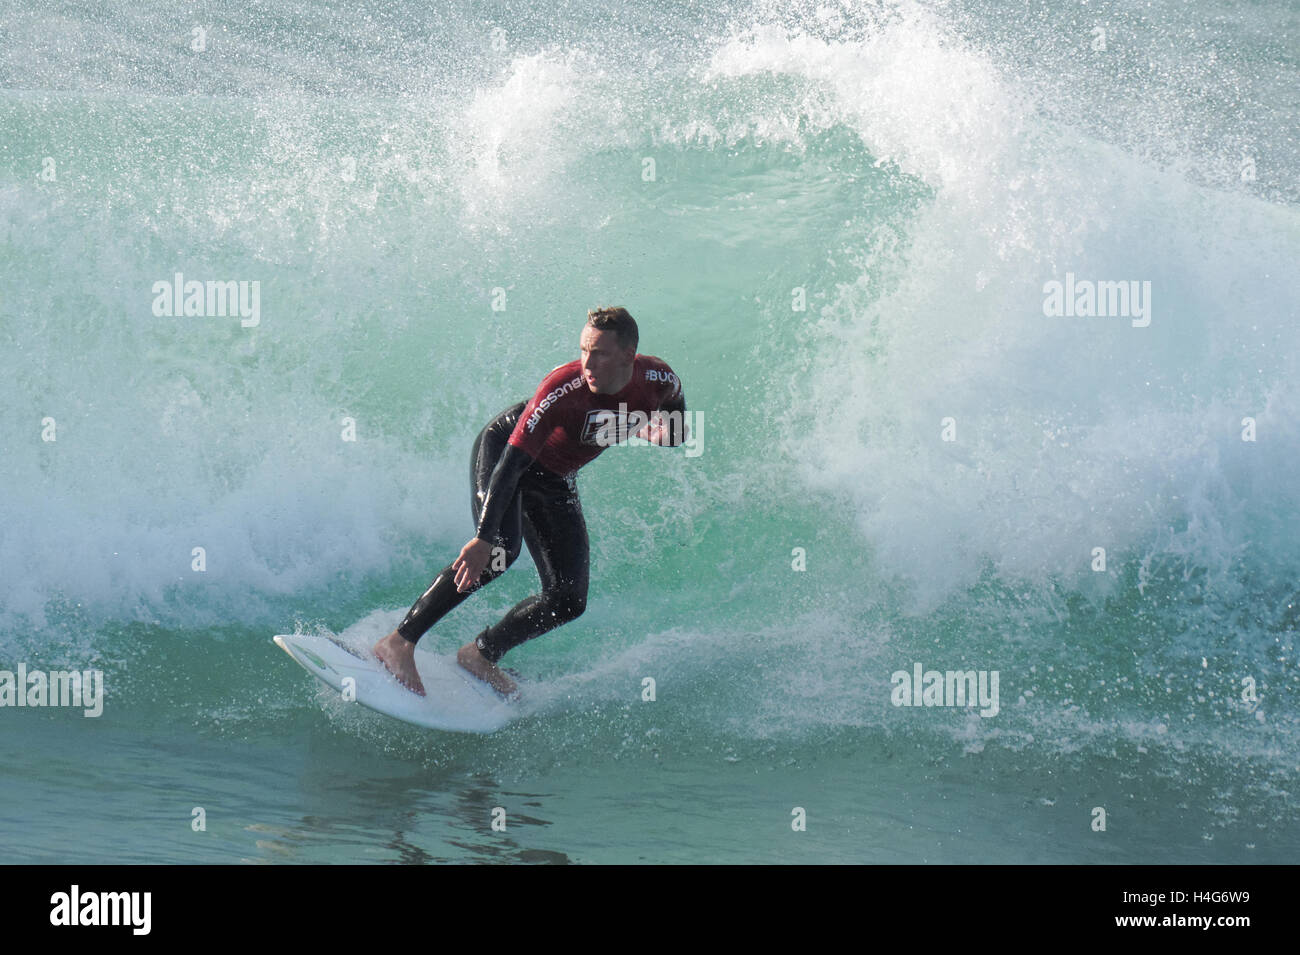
(658,432)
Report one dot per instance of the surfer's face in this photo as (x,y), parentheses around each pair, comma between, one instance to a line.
(606,366)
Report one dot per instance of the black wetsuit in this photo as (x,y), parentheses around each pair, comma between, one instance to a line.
(542,509)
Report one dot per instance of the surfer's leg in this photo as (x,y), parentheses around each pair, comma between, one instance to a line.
(556,534)
(442,594)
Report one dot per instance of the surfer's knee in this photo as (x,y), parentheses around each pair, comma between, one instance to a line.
(567,605)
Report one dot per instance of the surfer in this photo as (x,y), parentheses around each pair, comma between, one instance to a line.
(523,471)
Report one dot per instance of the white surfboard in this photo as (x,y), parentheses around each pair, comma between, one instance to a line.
(454,699)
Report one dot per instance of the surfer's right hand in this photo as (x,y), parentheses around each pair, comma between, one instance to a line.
(469,565)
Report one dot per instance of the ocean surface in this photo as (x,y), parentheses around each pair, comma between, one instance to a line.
(840,224)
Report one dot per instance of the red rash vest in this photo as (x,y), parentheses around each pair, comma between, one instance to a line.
(564,423)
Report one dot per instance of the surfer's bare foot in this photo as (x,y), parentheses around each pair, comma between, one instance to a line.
(398,654)
(469,657)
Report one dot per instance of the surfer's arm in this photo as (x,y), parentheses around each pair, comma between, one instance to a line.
(501,490)
(668,431)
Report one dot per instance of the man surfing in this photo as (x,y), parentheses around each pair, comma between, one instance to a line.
(522,473)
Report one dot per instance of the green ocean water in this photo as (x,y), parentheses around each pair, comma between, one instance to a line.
(835,222)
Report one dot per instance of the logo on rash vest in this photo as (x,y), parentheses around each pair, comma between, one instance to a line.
(667,376)
(549,400)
